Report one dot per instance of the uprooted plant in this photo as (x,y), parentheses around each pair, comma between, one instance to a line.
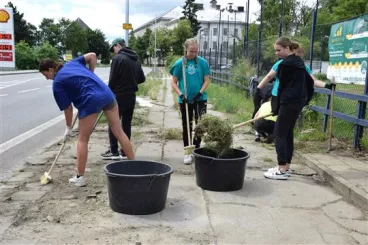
(216,133)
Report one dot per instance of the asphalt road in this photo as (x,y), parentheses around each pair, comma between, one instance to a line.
(29,118)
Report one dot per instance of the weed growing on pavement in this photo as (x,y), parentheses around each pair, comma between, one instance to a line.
(171,134)
(151,86)
(217,134)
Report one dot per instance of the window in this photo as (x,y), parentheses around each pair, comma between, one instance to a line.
(214,45)
(224,32)
(205,31)
(236,32)
(199,6)
(205,44)
(215,31)
(224,46)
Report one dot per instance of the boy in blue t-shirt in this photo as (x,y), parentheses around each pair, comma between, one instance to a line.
(197,73)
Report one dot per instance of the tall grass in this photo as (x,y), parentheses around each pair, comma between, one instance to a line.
(151,87)
(231,100)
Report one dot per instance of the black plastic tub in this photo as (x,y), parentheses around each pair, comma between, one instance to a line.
(137,187)
(220,174)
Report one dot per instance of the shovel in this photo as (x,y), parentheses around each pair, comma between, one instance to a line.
(250,121)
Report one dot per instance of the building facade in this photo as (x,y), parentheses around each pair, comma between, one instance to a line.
(221,25)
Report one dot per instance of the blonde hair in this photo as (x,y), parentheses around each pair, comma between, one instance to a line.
(286,42)
(189,42)
(299,52)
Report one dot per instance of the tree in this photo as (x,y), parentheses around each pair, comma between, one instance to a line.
(46,50)
(25,56)
(49,32)
(132,41)
(179,34)
(23,31)
(76,39)
(345,9)
(96,42)
(190,9)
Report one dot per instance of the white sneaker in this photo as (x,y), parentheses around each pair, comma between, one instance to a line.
(81,181)
(278,175)
(288,172)
(187,159)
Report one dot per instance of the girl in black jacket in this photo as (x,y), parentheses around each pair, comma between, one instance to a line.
(294,92)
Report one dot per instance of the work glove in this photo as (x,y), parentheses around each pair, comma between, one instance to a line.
(197,96)
(330,85)
(67,133)
(258,92)
(182,97)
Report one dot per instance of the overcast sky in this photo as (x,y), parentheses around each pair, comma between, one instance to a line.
(106,15)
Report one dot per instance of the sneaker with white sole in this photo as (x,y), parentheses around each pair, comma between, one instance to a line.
(78,181)
(187,159)
(277,175)
(287,172)
(109,155)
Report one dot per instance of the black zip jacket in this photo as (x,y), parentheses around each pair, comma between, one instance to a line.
(126,72)
(296,85)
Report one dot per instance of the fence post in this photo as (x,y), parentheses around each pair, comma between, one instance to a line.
(209,58)
(361,108)
(220,56)
(259,41)
(314,22)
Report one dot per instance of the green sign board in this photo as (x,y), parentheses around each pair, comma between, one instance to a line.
(348,51)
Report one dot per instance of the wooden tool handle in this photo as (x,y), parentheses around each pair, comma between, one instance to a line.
(250,121)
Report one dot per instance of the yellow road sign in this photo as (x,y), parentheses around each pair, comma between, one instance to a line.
(127,26)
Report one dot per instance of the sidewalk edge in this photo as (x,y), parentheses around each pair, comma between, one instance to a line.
(341,185)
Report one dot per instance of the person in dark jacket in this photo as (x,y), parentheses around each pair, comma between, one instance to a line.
(125,74)
(294,92)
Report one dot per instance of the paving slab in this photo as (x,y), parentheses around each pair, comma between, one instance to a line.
(27,195)
(257,190)
(21,177)
(149,151)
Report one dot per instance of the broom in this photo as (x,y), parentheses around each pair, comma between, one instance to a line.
(190,148)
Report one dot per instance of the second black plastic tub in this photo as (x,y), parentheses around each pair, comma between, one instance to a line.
(220,174)
(137,187)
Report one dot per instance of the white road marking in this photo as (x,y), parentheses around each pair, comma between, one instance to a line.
(2,95)
(7,85)
(28,90)
(22,137)
(48,86)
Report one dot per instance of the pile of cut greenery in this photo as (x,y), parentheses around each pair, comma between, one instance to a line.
(216,133)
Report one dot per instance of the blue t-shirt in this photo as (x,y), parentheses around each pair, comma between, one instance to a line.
(75,83)
(195,72)
(276,84)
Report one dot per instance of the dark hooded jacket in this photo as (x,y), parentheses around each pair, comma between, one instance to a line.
(126,72)
(296,85)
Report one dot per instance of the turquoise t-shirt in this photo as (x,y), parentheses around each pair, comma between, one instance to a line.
(195,72)
(275,67)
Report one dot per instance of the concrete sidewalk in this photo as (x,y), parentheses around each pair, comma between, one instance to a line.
(297,211)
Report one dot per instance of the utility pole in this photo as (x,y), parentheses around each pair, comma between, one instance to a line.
(314,22)
(127,21)
(247,30)
(154,52)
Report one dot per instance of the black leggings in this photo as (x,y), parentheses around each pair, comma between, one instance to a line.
(126,105)
(284,132)
(199,109)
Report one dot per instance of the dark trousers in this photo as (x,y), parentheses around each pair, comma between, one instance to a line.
(284,132)
(126,105)
(198,109)
(264,127)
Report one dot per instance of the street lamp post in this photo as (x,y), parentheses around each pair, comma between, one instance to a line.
(281,14)
(127,21)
